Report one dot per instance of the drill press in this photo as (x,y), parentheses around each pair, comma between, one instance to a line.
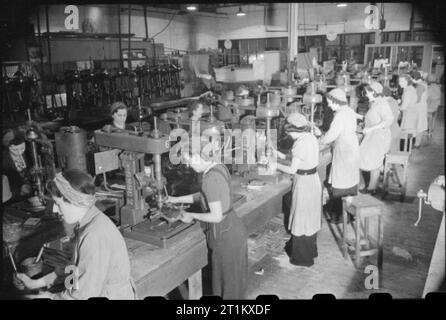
(138,220)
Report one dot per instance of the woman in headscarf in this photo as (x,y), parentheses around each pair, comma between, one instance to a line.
(377,135)
(100,255)
(408,104)
(306,203)
(421,106)
(344,175)
(433,102)
(226,233)
(395,130)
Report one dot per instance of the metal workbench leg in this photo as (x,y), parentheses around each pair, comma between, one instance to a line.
(195,286)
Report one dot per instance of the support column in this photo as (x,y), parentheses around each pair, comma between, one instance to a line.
(292,35)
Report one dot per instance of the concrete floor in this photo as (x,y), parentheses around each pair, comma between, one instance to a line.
(407,249)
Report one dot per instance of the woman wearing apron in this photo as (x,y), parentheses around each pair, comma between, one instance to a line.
(377,135)
(408,104)
(306,203)
(344,174)
(395,130)
(433,102)
(421,106)
(226,234)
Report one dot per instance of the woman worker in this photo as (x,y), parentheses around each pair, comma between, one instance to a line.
(421,106)
(100,255)
(306,206)
(118,111)
(226,233)
(344,174)
(433,102)
(408,104)
(395,130)
(16,164)
(377,135)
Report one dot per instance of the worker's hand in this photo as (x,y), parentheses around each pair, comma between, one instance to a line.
(186,217)
(317,132)
(26,281)
(25,190)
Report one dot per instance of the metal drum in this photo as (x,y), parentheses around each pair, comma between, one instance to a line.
(289,92)
(71,148)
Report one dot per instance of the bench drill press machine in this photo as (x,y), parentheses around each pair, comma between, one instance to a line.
(138,220)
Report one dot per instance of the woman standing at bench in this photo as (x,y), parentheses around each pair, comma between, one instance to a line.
(226,233)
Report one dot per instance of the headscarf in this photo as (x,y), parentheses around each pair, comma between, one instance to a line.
(296,122)
(117,105)
(338,95)
(75,197)
(377,87)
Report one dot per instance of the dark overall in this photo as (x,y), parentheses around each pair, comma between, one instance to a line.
(227,242)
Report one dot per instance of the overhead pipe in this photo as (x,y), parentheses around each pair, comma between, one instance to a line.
(48,42)
(145,22)
(119,37)
(129,64)
(40,51)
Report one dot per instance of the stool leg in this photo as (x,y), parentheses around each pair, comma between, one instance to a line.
(366,230)
(380,247)
(344,231)
(403,183)
(358,240)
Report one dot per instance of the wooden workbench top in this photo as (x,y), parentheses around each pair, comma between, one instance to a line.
(146,258)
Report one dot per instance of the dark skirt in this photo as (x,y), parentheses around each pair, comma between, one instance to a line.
(302,250)
(227,242)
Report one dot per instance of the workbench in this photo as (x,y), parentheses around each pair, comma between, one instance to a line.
(157,271)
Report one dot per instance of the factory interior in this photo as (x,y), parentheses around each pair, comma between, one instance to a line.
(222,149)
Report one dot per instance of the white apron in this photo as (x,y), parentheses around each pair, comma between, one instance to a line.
(421,106)
(376,144)
(344,172)
(306,205)
(410,113)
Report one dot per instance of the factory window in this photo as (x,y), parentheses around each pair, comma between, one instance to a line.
(410,53)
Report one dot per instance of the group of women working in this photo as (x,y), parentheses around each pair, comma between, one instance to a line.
(101,254)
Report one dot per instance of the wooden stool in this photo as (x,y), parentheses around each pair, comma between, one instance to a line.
(408,136)
(392,160)
(364,206)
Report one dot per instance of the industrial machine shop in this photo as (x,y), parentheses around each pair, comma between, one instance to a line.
(226,149)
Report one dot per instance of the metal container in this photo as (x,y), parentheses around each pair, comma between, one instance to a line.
(71,148)
(30,268)
(289,92)
(275,99)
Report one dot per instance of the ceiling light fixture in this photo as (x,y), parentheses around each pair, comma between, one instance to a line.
(240,13)
(191,7)
(341,5)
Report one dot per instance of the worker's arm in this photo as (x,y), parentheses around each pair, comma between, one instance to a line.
(190,198)
(334,131)
(295,162)
(278,154)
(214,216)
(45,281)
(358,116)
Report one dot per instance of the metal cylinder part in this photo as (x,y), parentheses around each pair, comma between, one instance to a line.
(71,148)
